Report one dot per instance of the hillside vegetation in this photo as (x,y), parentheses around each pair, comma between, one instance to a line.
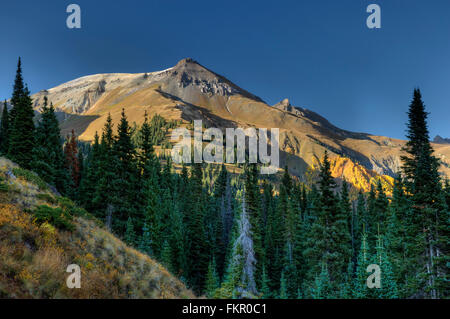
(42,233)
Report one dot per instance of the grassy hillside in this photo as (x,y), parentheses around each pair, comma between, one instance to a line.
(42,233)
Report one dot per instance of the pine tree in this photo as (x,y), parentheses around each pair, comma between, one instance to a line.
(166,256)
(381,206)
(396,233)
(130,235)
(345,291)
(197,245)
(177,243)
(151,190)
(145,144)
(329,240)
(126,175)
(428,223)
(360,221)
(21,135)
(265,285)
(274,239)
(145,242)
(253,200)
(4,131)
(91,178)
(389,289)
(283,287)
(105,199)
(322,287)
(212,280)
(18,93)
(360,289)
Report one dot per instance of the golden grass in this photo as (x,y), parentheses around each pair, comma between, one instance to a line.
(34,257)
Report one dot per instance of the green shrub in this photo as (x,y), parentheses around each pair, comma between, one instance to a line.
(4,187)
(55,216)
(30,176)
(71,208)
(46,197)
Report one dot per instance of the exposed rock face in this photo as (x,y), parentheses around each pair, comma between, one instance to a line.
(284,105)
(189,91)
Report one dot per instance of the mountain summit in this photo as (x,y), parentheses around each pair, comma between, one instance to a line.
(189,91)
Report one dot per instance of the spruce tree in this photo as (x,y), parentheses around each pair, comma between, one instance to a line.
(105,200)
(322,288)
(197,245)
(283,287)
(389,288)
(360,289)
(253,201)
(145,242)
(265,285)
(18,93)
(130,235)
(126,175)
(428,222)
(166,256)
(4,131)
(212,280)
(329,241)
(396,234)
(89,183)
(21,135)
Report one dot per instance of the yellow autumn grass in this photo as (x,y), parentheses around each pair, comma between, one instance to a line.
(34,258)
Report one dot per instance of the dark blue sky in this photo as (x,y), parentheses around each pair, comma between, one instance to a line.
(319,54)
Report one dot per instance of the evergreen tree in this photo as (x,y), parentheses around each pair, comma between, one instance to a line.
(126,176)
(89,183)
(428,223)
(197,245)
(395,236)
(322,288)
(212,280)
(105,200)
(21,135)
(145,242)
(283,287)
(18,93)
(265,285)
(389,289)
(177,236)
(145,144)
(130,235)
(359,221)
(329,240)
(166,256)
(4,131)
(381,206)
(360,289)
(253,200)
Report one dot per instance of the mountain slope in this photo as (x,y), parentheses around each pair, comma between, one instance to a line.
(190,91)
(35,254)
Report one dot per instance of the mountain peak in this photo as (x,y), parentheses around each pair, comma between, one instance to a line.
(186,61)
